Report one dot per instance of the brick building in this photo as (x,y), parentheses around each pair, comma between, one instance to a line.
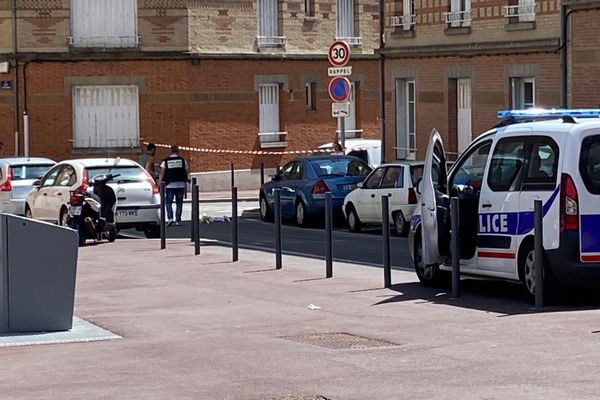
(97,77)
(451,64)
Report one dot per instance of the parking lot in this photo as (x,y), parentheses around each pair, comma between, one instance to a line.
(205,328)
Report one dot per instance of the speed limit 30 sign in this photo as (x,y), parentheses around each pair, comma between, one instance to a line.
(339,53)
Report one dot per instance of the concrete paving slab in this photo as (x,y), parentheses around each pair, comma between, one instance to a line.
(206,328)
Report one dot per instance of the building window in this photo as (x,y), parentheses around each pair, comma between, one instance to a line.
(268,24)
(310,96)
(345,23)
(460,13)
(406,21)
(520,11)
(522,93)
(104,23)
(105,116)
(309,8)
(269,126)
(405,119)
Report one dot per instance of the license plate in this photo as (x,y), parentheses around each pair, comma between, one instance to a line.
(349,187)
(127,213)
(74,210)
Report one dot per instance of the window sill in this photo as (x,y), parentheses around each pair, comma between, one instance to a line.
(403,34)
(457,30)
(271,145)
(310,18)
(519,26)
(109,151)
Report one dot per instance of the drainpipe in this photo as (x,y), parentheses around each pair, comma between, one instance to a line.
(382,79)
(563,55)
(15,74)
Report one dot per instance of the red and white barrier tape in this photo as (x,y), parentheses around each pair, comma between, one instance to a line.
(252,152)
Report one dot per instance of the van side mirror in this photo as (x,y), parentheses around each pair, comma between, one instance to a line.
(37,183)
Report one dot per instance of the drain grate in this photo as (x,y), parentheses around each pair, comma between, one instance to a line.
(340,341)
(292,397)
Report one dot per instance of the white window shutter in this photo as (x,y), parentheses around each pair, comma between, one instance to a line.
(105,116)
(269,111)
(104,23)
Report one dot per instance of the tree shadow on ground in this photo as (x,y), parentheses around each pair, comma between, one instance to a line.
(499,297)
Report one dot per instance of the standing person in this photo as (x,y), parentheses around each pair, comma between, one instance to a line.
(337,148)
(174,172)
(147,160)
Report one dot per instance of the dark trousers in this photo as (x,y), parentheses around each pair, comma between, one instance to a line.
(178,195)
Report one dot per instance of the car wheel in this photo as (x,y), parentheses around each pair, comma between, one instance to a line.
(152,233)
(429,275)
(354,224)
(63,218)
(400,225)
(265,212)
(28,213)
(527,275)
(301,214)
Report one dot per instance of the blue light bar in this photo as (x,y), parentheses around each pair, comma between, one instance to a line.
(550,113)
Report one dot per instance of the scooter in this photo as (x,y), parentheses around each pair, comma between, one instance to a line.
(93,214)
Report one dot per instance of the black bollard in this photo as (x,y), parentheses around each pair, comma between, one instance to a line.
(385,227)
(277,229)
(163,226)
(234,216)
(455,243)
(232,176)
(328,236)
(262,173)
(538,238)
(194,183)
(196,217)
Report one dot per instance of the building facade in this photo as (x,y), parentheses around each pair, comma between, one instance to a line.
(99,77)
(451,65)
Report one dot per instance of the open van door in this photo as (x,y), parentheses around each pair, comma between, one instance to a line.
(435,203)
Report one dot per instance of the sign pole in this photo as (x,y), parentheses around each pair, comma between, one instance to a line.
(343,132)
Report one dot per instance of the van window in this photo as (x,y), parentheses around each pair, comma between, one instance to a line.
(506,165)
(470,171)
(589,163)
(362,154)
(542,164)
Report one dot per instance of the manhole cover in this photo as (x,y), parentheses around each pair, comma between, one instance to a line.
(340,341)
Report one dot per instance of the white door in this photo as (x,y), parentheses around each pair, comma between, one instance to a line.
(39,206)
(59,194)
(392,186)
(368,197)
(463,103)
(269,112)
(434,203)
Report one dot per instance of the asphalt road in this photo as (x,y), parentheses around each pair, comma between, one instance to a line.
(360,248)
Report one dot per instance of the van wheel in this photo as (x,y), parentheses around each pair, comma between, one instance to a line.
(354,224)
(429,275)
(527,275)
(400,225)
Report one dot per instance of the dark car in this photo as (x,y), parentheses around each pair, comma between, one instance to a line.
(305,180)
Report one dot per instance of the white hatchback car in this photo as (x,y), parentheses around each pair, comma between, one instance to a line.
(363,205)
(17,175)
(138,198)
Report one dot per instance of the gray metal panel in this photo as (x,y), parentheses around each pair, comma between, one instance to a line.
(3,277)
(42,263)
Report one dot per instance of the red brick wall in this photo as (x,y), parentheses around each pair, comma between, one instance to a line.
(174,107)
(584,57)
(488,85)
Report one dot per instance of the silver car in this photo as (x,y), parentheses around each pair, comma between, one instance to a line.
(17,175)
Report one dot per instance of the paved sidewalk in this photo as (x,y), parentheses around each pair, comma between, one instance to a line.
(205,328)
(224,196)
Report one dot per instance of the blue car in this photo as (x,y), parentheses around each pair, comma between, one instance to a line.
(305,180)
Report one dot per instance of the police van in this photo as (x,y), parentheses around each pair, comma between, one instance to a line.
(548,155)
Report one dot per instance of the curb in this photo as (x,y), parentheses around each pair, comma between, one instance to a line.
(251,214)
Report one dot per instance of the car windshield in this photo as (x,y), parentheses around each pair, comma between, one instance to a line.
(126,173)
(340,167)
(28,171)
